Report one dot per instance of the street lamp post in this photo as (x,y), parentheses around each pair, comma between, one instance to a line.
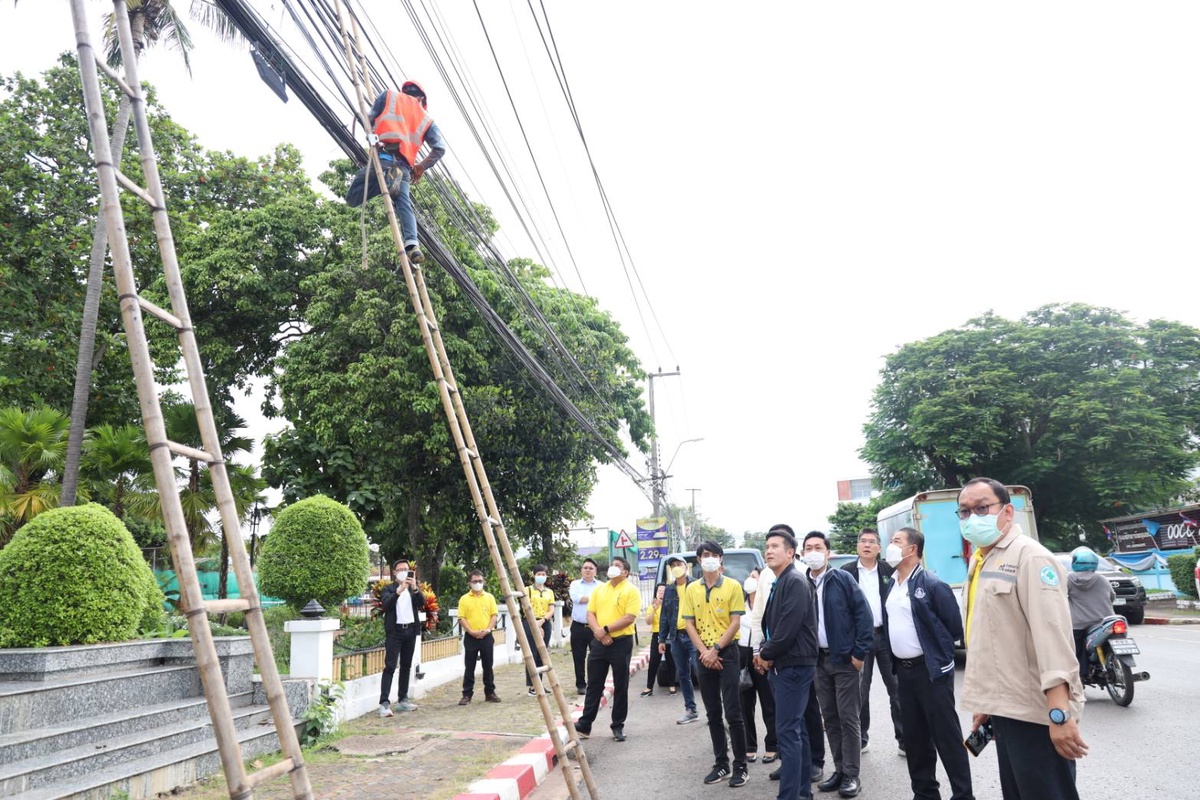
(659,477)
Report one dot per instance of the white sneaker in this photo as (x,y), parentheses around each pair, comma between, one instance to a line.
(385,710)
(405,705)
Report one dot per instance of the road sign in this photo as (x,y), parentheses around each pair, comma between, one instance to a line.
(623,542)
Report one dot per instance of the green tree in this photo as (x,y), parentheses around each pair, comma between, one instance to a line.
(1096,415)
(368,424)
(32,444)
(149,21)
(850,518)
(117,467)
(316,551)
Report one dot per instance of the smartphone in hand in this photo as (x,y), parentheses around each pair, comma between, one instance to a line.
(979,738)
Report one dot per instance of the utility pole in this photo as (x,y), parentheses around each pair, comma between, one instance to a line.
(656,477)
(693,491)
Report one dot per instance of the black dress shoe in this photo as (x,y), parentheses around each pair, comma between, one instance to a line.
(832,783)
(850,787)
(775,773)
(619,734)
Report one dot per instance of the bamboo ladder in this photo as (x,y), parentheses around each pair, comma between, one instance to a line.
(162,451)
(505,563)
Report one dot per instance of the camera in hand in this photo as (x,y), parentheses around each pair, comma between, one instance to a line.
(979,738)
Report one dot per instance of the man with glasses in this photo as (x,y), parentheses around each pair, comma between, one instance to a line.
(1022,674)
(873,577)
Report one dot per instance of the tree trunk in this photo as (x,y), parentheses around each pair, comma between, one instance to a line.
(87,332)
(91,304)
(223,573)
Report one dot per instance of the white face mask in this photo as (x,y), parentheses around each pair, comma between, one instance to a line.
(401,576)
(477,587)
(751,585)
(815,560)
(894,555)
(539,579)
(615,572)
(710,564)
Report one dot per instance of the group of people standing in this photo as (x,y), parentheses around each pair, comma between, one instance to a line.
(803,640)
(813,636)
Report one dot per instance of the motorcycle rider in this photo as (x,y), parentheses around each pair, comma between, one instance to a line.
(1090,596)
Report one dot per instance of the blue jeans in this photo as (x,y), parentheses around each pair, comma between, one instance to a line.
(684,653)
(398,179)
(792,687)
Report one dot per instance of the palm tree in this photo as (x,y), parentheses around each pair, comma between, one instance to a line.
(32,444)
(150,21)
(117,461)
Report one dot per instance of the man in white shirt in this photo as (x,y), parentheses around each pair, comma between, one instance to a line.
(401,603)
(873,576)
(923,622)
(580,592)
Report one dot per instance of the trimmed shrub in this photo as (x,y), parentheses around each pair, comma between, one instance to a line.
(316,551)
(1183,572)
(75,576)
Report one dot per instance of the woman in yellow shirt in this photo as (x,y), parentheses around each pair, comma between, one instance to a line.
(652,615)
(541,602)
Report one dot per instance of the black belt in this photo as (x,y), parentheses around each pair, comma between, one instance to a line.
(910,663)
(403,626)
(823,651)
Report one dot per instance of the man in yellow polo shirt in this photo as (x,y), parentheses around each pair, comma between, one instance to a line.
(477,614)
(612,610)
(713,609)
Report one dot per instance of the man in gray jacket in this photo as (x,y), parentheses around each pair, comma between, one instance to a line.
(1091,599)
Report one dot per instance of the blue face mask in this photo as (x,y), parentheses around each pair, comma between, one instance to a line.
(980,531)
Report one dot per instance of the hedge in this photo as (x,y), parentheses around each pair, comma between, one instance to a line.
(75,576)
(1183,572)
(316,551)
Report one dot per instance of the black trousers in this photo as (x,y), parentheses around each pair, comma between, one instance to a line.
(750,697)
(1081,653)
(544,628)
(881,654)
(398,647)
(474,651)
(815,727)
(931,730)
(600,658)
(581,637)
(719,689)
(655,662)
(1030,767)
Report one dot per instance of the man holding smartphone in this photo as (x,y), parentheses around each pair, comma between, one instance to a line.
(402,603)
(921,623)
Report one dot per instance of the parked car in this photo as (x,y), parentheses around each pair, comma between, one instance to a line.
(1131,595)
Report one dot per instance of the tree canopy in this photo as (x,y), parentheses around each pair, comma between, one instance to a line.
(1097,415)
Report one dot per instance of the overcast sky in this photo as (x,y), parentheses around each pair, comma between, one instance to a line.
(803,187)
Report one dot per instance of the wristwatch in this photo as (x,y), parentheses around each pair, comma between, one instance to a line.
(1059,716)
(606,630)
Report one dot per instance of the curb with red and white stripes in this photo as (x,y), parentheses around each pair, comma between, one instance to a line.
(517,777)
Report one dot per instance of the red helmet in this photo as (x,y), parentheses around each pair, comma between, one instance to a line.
(414,89)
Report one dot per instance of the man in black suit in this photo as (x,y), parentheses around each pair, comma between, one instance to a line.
(874,575)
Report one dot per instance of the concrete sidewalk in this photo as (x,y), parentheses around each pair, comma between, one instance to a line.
(1165,612)
(433,753)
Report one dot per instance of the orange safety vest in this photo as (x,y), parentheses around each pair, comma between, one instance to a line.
(402,125)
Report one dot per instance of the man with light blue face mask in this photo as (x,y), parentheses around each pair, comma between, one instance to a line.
(1022,674)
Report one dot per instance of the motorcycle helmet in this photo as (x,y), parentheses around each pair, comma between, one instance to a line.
(1084,559)
(414,89)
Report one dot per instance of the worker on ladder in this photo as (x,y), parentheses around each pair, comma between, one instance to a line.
(400,125)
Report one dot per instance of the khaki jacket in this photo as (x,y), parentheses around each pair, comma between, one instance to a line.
(1021,642)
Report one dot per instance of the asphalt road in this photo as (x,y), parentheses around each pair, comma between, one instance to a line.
(1144,751)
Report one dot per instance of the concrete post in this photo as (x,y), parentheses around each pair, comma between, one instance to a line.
(312,647)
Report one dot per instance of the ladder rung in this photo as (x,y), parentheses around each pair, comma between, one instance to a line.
(470,453)
(432,323)
(569,745)
(145,196)
(495,523)
(543,669)
(450,387)
(190,452)
(226,606)
(269,773)
(516,595)
(154,311)
(114,76)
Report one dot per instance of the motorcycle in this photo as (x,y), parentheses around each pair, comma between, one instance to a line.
(1110,659)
